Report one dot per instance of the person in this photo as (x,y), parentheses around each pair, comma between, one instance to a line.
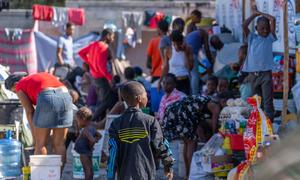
(171,95)
(211,87)
(64,51)
(84,144)
(195,18)
(259,61)
(222,85)
(98,56)
(135,139)
(245,86)
(181,61)
(198,39)
(154,59)
(129,74)
(48,106)
(188,119)
(140,78)
(165,47)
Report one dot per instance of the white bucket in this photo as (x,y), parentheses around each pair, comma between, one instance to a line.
(78,172)
(45,167)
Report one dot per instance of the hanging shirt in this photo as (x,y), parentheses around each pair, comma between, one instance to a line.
(96,56)
(32,85)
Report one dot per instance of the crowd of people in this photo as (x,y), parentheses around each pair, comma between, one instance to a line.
(188,111)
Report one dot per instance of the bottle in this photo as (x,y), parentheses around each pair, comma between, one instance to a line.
(10,157)
(26,173)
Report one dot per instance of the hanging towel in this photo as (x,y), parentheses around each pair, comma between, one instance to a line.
(76,16)
(60,16)
(13,34)
(133,20)
(40,12)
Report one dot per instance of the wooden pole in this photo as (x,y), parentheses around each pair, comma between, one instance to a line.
(286,62)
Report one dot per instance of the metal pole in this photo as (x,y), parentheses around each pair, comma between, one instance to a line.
(286,62)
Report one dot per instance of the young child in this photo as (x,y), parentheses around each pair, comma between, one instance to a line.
(135,139)
(211,87)
(222,85)
(84,144)
(259,61)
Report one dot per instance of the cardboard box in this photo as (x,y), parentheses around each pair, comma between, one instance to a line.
(210,160)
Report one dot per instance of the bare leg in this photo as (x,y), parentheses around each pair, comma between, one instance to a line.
(191,147)
(59,138)
(87,164)
(41,139)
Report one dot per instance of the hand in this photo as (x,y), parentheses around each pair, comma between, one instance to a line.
(235,67)
(254,8)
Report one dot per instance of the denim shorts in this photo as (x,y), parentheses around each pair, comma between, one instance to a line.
(53,109)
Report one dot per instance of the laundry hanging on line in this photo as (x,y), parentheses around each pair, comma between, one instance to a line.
(46,13)
(17,49)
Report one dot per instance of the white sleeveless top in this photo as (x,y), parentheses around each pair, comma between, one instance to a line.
(177,63)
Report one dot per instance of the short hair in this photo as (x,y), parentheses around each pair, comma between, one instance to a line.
(176,36)
(138,71)
(263,19)
(163,25)
(68,25)
(172,76)
(222,79)
(214,79)
(106,32)
(129,73)
(12,79)
(130,90)
(116,79)
(84,113)
(197,13)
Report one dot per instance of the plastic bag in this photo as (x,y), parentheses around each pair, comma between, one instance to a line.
(197,171)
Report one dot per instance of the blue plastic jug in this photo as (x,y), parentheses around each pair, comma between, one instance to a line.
(10,156)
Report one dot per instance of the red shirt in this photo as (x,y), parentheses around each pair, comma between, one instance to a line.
(96,56)
(32,85)
(154,52)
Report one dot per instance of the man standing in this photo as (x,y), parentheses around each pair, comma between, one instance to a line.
(98,57)
(65,46)
(154,60)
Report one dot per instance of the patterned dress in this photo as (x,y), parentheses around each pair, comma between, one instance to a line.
(182,118)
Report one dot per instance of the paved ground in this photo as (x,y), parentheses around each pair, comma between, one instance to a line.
(68,174)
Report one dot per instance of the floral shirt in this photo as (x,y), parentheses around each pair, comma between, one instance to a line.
(167,100)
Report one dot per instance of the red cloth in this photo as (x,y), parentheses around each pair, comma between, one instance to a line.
(32,85)
(40,12)
(96,56)
(76,16)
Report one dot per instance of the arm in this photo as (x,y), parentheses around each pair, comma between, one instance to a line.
(60,60)
(28,109)
(249,20)
(165,52)
(160,146)
(215,110)
(92,140)
(149,62)
(113,153)
(189,57)
(204,36)
(84,54)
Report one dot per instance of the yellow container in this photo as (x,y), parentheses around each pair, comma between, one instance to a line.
(26,173)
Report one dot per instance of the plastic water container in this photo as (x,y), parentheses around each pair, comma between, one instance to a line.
(10,157)
(78,172)
(45,167)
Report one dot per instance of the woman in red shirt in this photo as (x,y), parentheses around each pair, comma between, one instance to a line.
(48,106)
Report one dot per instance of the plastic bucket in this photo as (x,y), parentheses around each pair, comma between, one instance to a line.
(45,167)
(77,168)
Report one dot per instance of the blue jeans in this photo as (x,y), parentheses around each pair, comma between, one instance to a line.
(195,79)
